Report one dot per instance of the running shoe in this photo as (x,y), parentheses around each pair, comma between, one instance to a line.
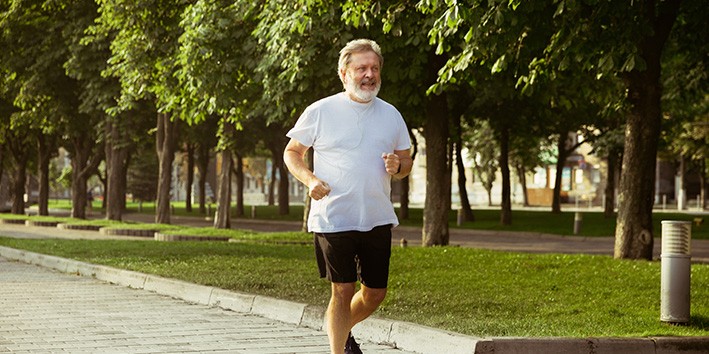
(351,347)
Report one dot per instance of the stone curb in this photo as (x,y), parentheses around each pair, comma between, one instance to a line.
(127,232)
(403,335)
(65,226)
(39,223)
(13,221)
(163,237)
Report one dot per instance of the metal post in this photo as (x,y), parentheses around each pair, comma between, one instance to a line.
(664,201)
(699,205)
(676,270)
(253,212)
(578,220)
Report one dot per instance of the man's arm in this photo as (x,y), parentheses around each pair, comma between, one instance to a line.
(399,163)
(294,158)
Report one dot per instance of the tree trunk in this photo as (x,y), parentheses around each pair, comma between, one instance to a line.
(521,174)
(78,179)
(272,182)
(308,201)
(406,183)
(2,171)
(462,189)
(116,191)
(404,198)
(190,177)
(702,184)
(283,184)
(633,233)
(202,167)
(223,218)
(116,170)
(239,173)
(506,204)
(609,192)
(45,151)
(18,191)
(78,193)
(562,154)
(124,181)
(19,154)
(437,204)
(166,138)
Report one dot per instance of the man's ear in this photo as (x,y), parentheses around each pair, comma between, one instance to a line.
(343,76)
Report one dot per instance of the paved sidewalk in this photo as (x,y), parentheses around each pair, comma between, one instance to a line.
(44,311)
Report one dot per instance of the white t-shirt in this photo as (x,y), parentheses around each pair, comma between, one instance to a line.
(348,139)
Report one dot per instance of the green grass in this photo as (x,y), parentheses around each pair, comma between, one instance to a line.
(98,222)
(476,292)
(243,235)
(7,216)
(144,226)
(538,221)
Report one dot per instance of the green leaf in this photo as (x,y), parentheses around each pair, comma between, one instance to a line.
(468,36)
(499,65)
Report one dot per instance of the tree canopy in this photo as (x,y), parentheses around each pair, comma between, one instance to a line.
(533,71)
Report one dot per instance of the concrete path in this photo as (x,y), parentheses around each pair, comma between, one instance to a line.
(44,311)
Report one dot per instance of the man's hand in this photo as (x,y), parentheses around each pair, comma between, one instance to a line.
(318,189)
(391,163)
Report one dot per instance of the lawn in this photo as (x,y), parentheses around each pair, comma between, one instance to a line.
(470,291)
(523,220)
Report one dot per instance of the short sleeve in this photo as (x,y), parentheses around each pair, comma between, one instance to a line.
(404,140)
(305,129)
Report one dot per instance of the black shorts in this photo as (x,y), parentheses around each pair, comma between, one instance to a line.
(345,257)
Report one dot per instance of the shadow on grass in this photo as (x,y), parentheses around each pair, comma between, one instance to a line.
(696,322)
(699,322)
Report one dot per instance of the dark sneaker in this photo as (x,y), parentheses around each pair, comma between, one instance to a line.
(351,347)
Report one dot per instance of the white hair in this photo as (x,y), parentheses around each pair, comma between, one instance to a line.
(357,46)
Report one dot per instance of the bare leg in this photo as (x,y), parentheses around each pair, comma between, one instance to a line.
(364,303)
(339,316)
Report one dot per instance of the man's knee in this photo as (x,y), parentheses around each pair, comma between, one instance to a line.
(373,296)
(343,291)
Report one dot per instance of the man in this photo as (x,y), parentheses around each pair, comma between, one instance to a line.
(360,142)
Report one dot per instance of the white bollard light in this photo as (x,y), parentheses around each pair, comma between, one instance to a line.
(676,271)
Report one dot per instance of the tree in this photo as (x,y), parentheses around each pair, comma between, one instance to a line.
(38,35)
(217,77)
(467,212)
(222,220)
(144,59)
(204,133)
(525,156)
(142,175)
(686,133)
(484,152)
(607,38)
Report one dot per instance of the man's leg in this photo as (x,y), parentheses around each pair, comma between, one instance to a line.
(364,303)
(339,316)
(346,309)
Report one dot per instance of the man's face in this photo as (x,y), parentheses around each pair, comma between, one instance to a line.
(361,77)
